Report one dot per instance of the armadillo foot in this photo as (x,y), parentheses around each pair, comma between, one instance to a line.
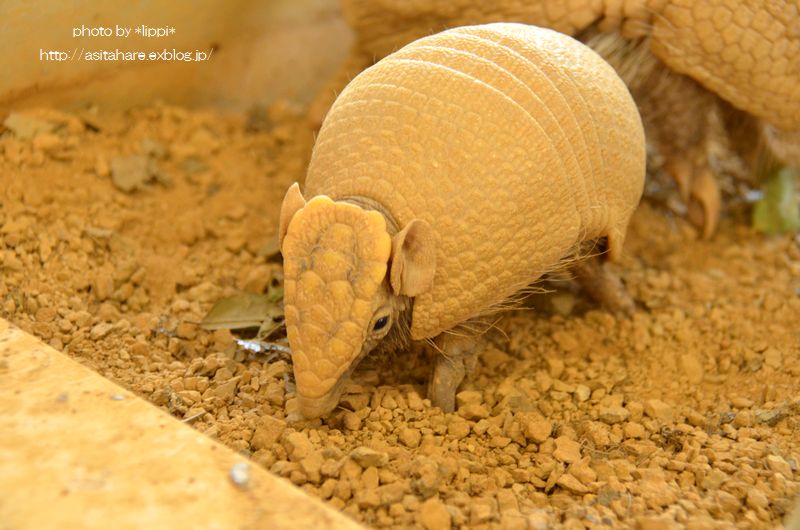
(704,202)
(603,285)
(698,188)
(455,355)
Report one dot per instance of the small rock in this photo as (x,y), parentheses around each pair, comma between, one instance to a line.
(367,498)
(538,430)
(366,457)
(658,410)
(741,403)
(297,445)
(480,511)
(756,499)
(392,493)
(773,358)
(779,465)
(433,515)
(567,450)
(634,430)
(570,483)
(473,411)
(227,389)
(583,472)
(267,433)
(411,437)
(612,414)
(582,393)
(26,127)
(556,364)
(692,368)
(131,173)
(458,429)
(468,397)
(351,421)
(566,342)
(656,523)
(695,419)
(657,492)
(100,330)
(728,502)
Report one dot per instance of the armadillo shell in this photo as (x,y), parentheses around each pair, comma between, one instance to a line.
(515,143)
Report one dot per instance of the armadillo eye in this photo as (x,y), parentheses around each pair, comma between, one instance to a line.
(380,323)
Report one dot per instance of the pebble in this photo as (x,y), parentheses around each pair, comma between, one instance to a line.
(538,430)
(656,523)
(411,437)
(692,368)
(26,127)
(268,432)
(582,393)
(613,414)
(779,465)
(567,450)
(658,410)
(634,430)
(773,358)
(756,498)
(468,397)
(473,411)
(100,330)
(569,482)
(131,173)
(433,515)
(297,445)
(366,457)
(351,421)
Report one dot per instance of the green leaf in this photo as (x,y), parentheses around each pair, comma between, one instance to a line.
(778,211)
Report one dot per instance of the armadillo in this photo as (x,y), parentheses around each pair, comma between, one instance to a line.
(446,178)
(694,60)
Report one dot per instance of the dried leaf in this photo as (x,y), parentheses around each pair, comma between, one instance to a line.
(243,311)
(778,210)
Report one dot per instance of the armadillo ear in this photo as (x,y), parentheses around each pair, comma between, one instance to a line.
(292,202)
(413,262)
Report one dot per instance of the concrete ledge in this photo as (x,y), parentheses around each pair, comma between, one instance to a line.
(78,451)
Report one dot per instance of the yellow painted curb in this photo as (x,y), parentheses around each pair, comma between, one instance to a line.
(78,451)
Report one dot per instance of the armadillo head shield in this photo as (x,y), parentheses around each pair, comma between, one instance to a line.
(335,260)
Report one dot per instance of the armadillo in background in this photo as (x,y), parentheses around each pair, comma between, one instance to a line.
(446,178)
(703,72)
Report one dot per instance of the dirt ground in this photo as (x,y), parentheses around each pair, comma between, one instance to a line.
(119,231)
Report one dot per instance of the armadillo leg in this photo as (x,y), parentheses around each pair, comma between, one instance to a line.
(456,355)
(603,285)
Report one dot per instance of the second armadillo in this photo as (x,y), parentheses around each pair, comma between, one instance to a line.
(445,179)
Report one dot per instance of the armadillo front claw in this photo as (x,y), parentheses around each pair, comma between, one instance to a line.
(698,188)
(704,202)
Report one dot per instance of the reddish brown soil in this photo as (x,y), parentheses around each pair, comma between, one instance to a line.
(686,415)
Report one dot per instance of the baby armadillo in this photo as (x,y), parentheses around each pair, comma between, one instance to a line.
(446,178)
